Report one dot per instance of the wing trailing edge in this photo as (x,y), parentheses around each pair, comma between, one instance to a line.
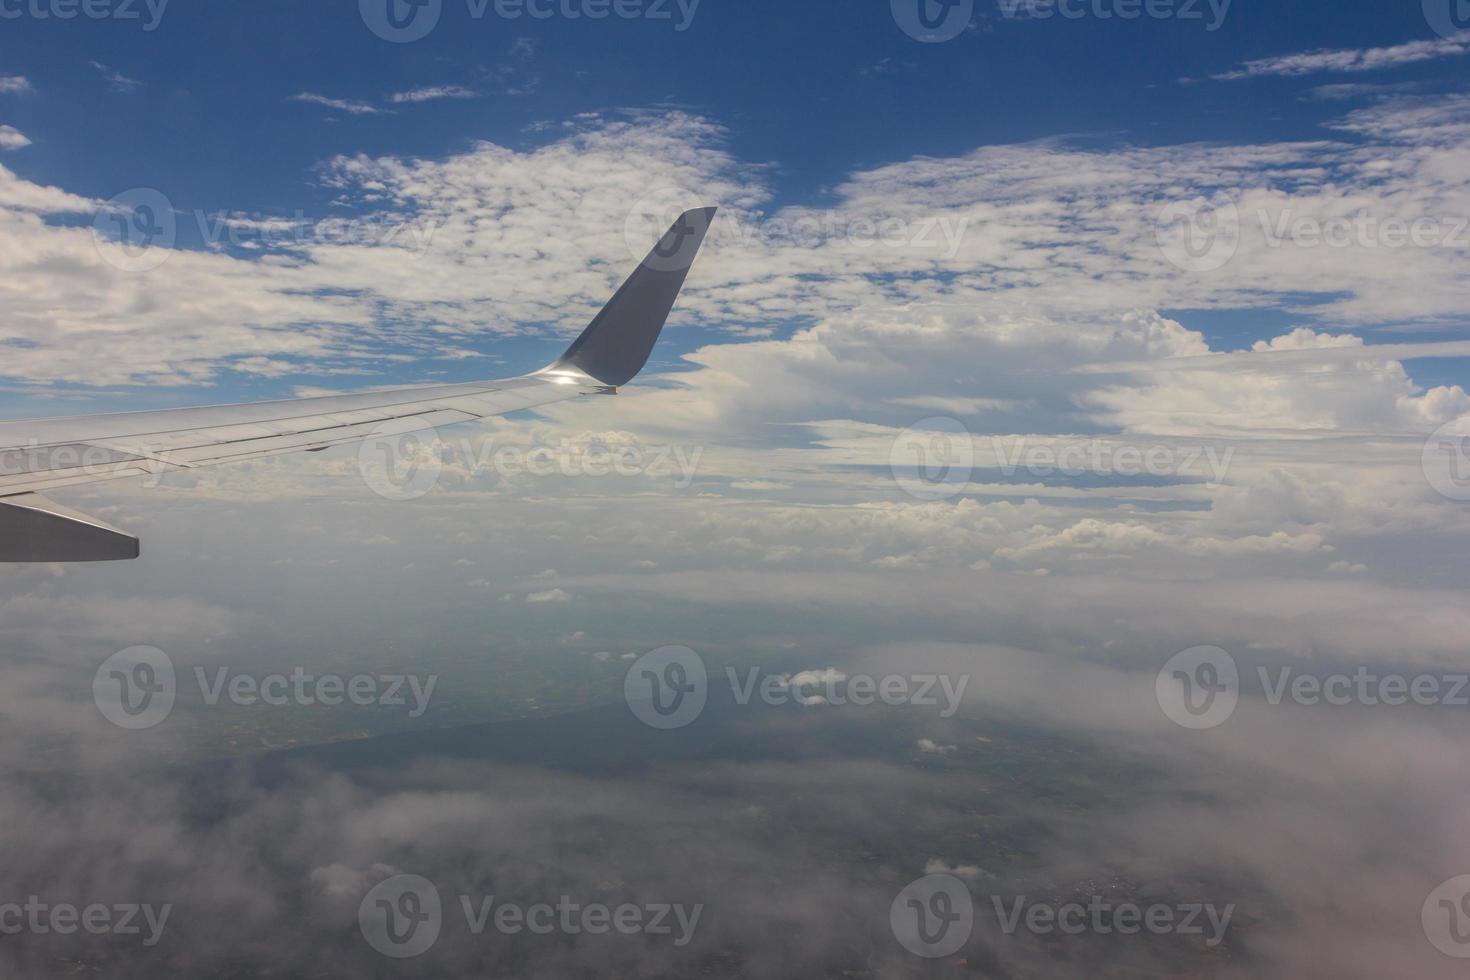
(35,529)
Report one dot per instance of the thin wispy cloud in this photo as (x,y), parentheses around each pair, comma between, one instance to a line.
(432,92)
(116,79)
(1352,90)
(1349,59)
(350,106)
(15,85)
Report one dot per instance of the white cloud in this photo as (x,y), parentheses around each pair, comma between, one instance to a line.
(930,747)
(351,106)
(12,138)
(15,85)
(432,92)
(116,79)
(1350,59)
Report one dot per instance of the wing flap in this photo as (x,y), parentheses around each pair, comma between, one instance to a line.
(34,529)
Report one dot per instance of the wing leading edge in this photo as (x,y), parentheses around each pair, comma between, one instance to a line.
(48,453)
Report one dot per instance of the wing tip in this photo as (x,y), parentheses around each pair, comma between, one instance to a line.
(618,342)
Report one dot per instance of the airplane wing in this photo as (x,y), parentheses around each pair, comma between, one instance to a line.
(48,453)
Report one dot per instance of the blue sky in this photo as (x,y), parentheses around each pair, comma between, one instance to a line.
(820,88)
(203,105)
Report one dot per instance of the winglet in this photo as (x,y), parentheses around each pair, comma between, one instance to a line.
(618,341)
